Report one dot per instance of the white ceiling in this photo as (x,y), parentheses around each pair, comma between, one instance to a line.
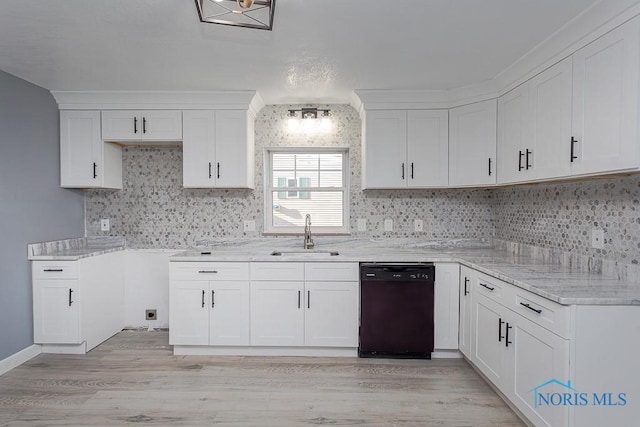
(318,51)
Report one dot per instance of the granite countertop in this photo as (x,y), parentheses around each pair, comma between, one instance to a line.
(562,284)
(74,249)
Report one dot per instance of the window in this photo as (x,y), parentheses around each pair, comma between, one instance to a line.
(301,181)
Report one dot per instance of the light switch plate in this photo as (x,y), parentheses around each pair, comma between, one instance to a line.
(388,225)
(418,226)
(249,225)
(362,224)
(597,238)
(105,225)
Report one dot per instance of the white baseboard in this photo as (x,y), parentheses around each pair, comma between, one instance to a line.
(19,358)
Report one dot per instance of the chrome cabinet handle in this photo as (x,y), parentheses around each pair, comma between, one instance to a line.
(573,148)
(208,271)
(53,270)
(500,322)
(70,300)
(135,125)
(213,298)
(466,292)
(144,125)
(202,299)
(298,299)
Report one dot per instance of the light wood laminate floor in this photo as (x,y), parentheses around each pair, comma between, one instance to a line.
(133,379)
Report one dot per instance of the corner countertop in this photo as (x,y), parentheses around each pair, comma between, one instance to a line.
(74,249)
(562,284)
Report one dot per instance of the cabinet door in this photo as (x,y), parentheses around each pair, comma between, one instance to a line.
(56,312)
(231,149)
(550,122)
(427,148)
(229,315)
(121,125)
(489,349)
(464,334)
(446,307)
(537,356)
(385,149)
(198,149)
(331,314)
(605,102)
(472,144)
(277,313)
(189,312)
(512,134)
(161,125)
(85,161)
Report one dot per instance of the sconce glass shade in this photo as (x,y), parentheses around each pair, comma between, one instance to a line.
(238,13)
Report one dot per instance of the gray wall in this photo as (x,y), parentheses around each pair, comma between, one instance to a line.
(33,207)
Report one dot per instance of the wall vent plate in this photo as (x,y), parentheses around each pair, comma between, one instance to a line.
(150,314)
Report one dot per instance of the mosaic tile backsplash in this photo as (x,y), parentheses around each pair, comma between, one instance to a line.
(153,210)
(561,216)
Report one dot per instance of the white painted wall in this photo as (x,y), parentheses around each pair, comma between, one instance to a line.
(146,287)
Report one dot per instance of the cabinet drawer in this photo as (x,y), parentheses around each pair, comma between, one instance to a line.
(277,271)
(544,312)
(490,287)
(55,270)
(331,271)
(210,271)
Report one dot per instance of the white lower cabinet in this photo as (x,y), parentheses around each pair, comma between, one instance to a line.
(331,314)
(277,314)
(77,304)
(209,304)
(513,350)
(304,304)
(446,301)
(464,331)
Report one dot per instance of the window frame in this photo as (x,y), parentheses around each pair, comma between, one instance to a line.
(269,189)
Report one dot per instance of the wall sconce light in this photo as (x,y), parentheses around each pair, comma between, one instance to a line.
(308,122)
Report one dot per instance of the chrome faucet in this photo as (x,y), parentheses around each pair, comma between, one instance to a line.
(308,241)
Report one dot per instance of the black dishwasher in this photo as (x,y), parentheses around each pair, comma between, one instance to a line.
(396,310)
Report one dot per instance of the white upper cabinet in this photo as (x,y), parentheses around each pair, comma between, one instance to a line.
(85,160)
(472,144)
(405,149)
(549,139)
(512,134)
(150,125)
(534,127)
(605,102)
(217,149)
(385,149)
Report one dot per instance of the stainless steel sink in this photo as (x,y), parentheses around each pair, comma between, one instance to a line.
(306,253)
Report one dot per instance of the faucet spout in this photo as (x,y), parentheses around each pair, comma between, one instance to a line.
(308,241)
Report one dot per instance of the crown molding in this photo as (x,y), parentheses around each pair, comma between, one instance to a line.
(159,100)
(602,17)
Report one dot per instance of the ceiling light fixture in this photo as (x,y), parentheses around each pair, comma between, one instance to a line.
(309,123)
(238,13)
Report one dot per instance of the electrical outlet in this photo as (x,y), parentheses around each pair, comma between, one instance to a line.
(150,314)
(249,225)
(418,226)
(105,225)
(362,224)
(388,225)
(597,238)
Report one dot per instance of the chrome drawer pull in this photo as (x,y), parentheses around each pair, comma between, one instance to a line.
(531,308)
(53,270)
(487,286)
(207,271)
